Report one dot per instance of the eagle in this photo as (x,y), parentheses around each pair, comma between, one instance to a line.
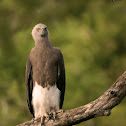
(45,75)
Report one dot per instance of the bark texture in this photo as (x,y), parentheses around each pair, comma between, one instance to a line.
(100,107)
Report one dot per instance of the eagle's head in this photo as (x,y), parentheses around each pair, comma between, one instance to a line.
(39,32)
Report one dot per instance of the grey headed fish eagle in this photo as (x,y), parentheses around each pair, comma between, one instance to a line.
(45,75)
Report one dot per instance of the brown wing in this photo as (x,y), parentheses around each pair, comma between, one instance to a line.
(29,84)
(61,79)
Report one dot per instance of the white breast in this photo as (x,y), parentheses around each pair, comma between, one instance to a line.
(45,98)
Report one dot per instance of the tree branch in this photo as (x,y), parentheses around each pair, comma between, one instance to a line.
(100,107)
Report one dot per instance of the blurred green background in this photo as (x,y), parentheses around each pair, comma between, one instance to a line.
(92,37)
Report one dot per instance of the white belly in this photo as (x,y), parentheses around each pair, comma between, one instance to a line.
(44,99)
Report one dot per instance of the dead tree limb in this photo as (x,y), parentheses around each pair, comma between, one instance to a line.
(100,107)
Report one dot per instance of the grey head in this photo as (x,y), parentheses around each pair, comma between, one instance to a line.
(40,32)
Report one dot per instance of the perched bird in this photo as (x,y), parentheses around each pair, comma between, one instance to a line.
(45,75)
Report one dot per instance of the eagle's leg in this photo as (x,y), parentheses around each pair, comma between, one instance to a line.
(53,112)
(43,117)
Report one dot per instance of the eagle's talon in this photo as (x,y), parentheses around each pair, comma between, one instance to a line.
(54,115)
(60,111)
(50,116)
(35,119)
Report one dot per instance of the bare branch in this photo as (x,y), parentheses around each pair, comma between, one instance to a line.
(100,107)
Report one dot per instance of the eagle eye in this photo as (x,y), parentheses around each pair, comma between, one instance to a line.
(38,29)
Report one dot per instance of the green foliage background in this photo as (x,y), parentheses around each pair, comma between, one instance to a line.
(92,37)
